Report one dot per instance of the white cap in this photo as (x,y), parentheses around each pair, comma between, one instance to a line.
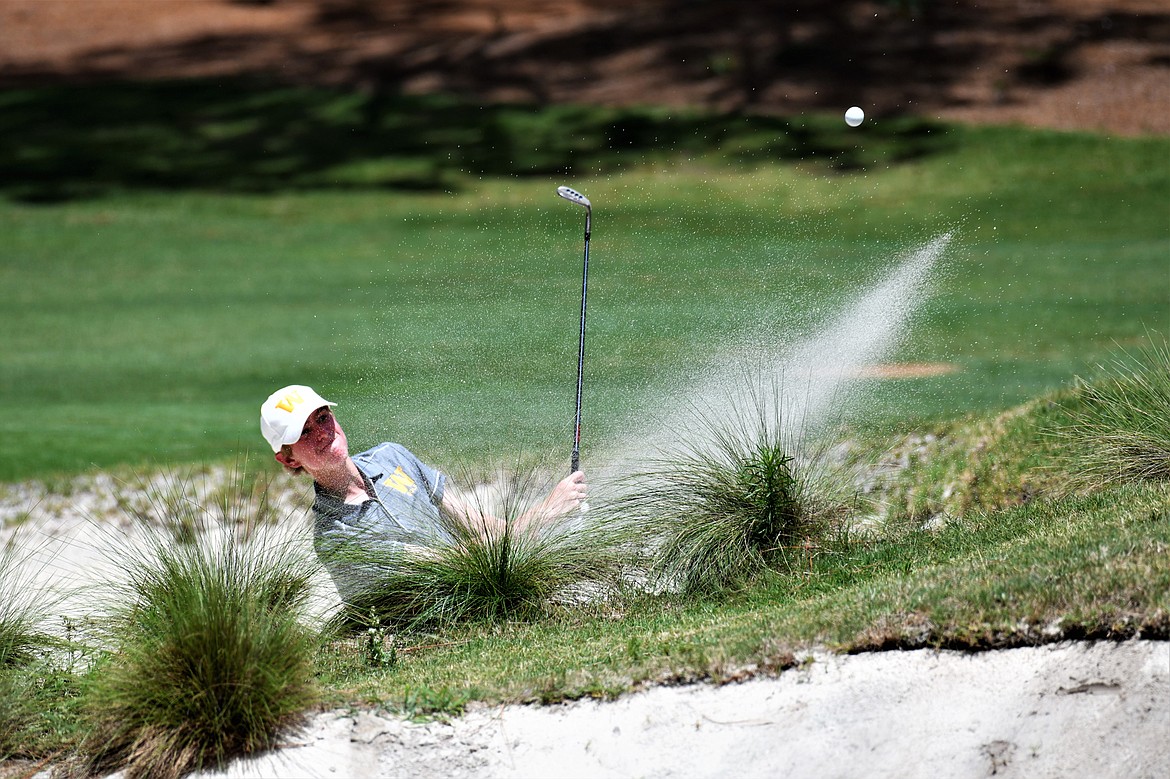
(283,415)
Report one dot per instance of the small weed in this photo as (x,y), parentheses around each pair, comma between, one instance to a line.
(378,654)
(425,703)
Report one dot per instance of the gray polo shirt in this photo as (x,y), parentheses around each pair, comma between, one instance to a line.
(354,541)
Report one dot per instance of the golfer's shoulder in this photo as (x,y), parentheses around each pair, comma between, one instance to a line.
(386,452)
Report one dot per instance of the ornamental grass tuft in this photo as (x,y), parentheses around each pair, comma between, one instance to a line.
(27,654)
(507,561)
(210,655)
(744,495)
(24,609)
(1119,426)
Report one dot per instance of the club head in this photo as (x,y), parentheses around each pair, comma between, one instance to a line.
(570,194)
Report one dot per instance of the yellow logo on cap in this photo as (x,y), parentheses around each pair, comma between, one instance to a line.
(290,401)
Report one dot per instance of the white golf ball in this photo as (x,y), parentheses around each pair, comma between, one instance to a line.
(854,116)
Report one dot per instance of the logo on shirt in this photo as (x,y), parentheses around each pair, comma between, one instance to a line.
(401,482)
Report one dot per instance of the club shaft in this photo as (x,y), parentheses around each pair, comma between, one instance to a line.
(576,463)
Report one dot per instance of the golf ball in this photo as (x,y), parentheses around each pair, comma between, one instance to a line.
(854,116)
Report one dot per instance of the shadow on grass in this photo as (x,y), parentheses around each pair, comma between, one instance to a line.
(247,135)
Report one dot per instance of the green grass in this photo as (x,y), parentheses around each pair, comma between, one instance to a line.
(1076,568)
(144,321)
(246,135)
(171,259)
(1014,559)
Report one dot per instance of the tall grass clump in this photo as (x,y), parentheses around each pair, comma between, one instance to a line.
(25,609)
(742,496)
(210,655)
(26,653)
(506,560)
(1119,426)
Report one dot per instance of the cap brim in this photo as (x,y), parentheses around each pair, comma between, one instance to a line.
(296,427)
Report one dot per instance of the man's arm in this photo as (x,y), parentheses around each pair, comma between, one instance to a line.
(569,493)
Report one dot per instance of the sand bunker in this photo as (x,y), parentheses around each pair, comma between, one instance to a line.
(1070,709)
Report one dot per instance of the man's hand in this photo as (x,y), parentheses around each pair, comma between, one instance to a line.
(569,493)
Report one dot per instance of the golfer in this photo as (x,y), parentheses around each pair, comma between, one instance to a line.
(382,496)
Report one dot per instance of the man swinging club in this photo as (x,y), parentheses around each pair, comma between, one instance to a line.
(383,496)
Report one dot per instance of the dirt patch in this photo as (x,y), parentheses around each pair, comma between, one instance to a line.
(1067,64)
(907,370)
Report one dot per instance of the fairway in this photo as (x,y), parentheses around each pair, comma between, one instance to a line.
(144,326)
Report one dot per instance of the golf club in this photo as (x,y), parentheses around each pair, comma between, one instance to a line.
(574,196)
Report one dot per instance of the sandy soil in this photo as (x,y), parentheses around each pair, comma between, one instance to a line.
(1062,710)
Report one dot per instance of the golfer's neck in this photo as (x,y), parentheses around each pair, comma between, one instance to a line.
(344,481)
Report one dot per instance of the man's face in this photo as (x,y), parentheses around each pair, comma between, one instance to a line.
(322,443)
